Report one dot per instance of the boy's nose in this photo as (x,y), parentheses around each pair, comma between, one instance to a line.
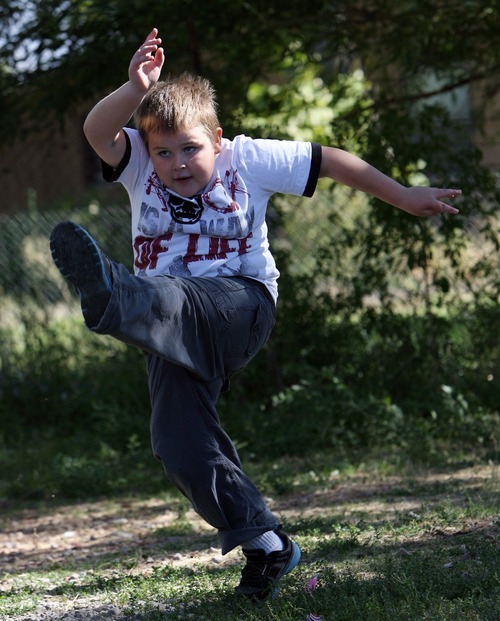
(179,163)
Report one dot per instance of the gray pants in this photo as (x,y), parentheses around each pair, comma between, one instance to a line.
(197,333)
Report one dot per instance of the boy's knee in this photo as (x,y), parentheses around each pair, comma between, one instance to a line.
(178,466)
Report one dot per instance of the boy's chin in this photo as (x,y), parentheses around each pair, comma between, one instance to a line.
(186,191)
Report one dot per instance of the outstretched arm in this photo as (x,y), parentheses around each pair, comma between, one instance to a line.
(104,125)
(350,170)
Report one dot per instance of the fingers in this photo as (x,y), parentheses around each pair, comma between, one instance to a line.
(147,62)
(451,194)
(153,36)
(448,209)
(426,201)
(150,45)
(159,57)
(149,51)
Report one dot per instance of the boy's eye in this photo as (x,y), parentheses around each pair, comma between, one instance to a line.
(190,149)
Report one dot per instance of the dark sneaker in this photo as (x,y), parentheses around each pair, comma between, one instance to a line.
(81,261)
(260,576)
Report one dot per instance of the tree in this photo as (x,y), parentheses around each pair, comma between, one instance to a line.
(362,74)
(62,52)
(57,54)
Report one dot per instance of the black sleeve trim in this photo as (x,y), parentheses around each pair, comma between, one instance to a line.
(314,170)
(112,174)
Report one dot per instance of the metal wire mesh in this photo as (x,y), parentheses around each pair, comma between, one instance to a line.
(31,286)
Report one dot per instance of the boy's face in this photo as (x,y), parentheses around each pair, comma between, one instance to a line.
(184,161)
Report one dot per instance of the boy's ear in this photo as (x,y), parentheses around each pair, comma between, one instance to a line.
(218,140)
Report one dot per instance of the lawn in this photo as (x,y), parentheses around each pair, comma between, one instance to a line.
(378,543)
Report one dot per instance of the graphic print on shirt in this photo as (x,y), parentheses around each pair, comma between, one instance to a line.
(218,199)
(213,224)
(149,222)
(185,210)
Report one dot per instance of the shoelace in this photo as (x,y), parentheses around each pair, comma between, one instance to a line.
(254,569)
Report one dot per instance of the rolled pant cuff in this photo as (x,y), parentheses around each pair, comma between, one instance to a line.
(230,539)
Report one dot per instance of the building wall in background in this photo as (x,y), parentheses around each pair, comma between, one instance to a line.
(44,168)
(50,168)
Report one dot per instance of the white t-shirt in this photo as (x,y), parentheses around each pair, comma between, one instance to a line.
(223,231)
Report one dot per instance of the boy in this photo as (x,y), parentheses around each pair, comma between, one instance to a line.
(202,301)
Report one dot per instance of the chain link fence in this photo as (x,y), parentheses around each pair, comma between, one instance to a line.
(33,291)
(31,287)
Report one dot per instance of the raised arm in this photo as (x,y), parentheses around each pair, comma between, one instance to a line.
(103,126)
(350,170)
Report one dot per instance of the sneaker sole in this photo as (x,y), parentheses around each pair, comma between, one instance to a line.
(69,244)
(292,563)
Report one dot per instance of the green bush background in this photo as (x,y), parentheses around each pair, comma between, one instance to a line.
(408,376)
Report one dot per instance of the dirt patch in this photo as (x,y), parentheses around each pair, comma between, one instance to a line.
(393,494)
(91,532)
(110,539)
(32,540)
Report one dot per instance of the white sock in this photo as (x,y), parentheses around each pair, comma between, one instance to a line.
(269,542)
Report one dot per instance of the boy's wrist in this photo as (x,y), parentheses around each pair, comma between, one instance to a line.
(399,196)
(137,90)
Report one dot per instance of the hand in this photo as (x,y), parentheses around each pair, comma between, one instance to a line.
(422,201)
(146,64)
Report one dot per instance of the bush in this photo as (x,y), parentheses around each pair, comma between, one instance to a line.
(390,383)
(338,373)
(61,376)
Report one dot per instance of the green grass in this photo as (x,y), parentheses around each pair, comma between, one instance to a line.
(385,543)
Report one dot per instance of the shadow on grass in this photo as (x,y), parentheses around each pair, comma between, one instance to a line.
(36,537)
(382,549)
(378,583)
